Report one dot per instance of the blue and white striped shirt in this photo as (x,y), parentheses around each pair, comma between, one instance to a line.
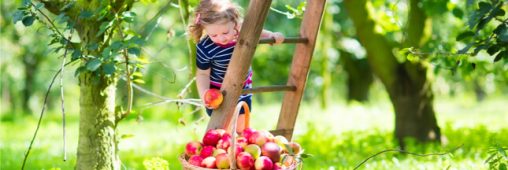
(217,57)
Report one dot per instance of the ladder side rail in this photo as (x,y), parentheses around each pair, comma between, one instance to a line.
(302,56)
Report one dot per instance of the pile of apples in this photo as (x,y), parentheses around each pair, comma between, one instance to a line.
(255,150)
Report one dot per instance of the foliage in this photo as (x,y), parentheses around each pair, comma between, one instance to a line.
(498,158)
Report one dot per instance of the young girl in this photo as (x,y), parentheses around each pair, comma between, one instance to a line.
(220,21)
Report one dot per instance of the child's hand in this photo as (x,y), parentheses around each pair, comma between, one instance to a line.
(279,37)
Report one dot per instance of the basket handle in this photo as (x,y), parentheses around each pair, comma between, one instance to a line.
(239,106)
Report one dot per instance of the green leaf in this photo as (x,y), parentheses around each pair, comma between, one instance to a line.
(109,68)
(458,13)
(39,5)
(138,81)
(106,53)
(76,55)
(493,49)
(85,14)
(304,155)
(26,2)
(502,54)
(499,12)
(464,35)
(128,16)
(501,150)
(473,19)
(93,64)
(500,29)
(104,26)
(67,6)
(136,40)
(503,35)
(28,20)
(93,46)
(18,16)
(135,51)
(116,45)
(125,136)
(484,7)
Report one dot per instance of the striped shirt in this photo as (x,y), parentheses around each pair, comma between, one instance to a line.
(217,57)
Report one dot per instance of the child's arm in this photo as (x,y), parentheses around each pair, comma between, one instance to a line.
(202,81)
(279,37)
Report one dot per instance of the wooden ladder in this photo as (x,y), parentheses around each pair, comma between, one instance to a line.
(242,58)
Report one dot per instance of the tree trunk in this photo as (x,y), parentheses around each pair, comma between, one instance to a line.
(97,144)
(413,103)
(407,83)
(359,77)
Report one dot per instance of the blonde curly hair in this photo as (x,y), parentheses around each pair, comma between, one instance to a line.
(213,12)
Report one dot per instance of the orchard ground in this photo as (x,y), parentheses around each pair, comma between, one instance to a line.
(339,137)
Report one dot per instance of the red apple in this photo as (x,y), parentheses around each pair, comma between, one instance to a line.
(263,163)
(259,138)
(247,132)
(193,148)
(207,151)
(213,98)
(195,160)
(271,150)
(208,162)
(211,138)
(237,151)
(224,142)
(222,161)
(277,166)
(244,161)
(221,132)
(242,141)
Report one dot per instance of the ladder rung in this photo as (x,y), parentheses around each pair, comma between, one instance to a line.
(286,40)
(282,132)
(269,89)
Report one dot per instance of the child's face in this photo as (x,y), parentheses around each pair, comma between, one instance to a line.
(221,33)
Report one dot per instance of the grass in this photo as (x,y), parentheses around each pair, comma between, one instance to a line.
(339,137)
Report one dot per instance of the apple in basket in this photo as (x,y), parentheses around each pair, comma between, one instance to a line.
(271,150)
(244,161)
(213,98)
(242,141)
(211,137)
(207,151)
(247,132)
(209,162)
(237,151)
(259,138)
(193,148)
(224,142)
(254,150)
(195,160)
(218,151)
(222,161)
(277,166)
(263,163)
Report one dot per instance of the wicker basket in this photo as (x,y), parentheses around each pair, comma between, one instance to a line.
(187,166)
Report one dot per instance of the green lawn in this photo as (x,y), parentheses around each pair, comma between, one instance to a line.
(339,137)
